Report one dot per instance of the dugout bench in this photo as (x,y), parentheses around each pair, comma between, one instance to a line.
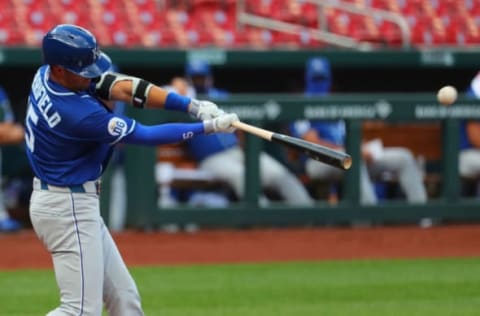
(397,109)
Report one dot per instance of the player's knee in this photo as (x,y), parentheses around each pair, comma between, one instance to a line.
(405,157)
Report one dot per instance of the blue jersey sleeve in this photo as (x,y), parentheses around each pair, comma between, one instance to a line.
(164,133)
(103,127)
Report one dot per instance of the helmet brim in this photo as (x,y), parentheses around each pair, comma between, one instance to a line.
(96,69)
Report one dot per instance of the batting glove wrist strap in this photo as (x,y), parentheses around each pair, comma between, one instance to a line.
(220,124)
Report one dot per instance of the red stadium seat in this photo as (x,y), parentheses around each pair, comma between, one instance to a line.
(115,19)
(258,38)
(79,17)
(159,38)
(199,23)
(309,15)
(41,19)
(8,18)
(473,6)
(145,5)
(448,7)
(463,31)
(391,33)
(34,4)
(11,36)
(123,38)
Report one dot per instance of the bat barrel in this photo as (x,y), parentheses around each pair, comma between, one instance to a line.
(320,153)
(336,159)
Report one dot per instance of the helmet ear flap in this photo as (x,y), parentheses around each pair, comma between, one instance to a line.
(75,49)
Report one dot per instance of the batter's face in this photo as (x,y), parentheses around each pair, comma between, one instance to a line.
(69,80)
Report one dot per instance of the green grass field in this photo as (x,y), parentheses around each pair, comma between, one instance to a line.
(380,287)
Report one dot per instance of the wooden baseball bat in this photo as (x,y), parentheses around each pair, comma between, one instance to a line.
(321,153)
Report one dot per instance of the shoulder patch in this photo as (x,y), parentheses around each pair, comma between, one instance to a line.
(117,126)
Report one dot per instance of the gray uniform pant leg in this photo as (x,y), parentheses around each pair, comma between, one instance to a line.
(402,162)
(469,163)
(69,225)
(322,171)
(88,267)
(275,175)
(120,293)
(229,166)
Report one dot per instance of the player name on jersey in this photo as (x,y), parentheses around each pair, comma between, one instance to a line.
(44,103)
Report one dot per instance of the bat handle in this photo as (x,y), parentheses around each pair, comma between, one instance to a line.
(260,132)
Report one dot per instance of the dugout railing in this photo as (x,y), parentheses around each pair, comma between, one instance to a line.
(262,110)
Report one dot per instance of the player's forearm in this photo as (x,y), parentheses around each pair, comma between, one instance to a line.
(473,133)
(176,132)
(11,133)
(141,93)
(155,97)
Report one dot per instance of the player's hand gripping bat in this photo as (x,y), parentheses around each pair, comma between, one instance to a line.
(321,153)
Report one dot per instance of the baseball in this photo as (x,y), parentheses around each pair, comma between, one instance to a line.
(447,95)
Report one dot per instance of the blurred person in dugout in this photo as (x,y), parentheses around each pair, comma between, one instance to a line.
(376,159)
(469,157)
(222,155)
(117,212)
(10,133)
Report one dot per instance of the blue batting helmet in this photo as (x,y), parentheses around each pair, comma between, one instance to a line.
(75,49)
(318,76)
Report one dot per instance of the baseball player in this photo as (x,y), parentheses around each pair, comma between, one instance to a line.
(469,157)
(397,160)
(10,133)
(70,134)
(117,212)
(222,155)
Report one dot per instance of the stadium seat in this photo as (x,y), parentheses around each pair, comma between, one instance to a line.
(8,18)
(159,38)
(80,17)
(145,5)
(11,37)
(41,19)
(473,6)
(34,4)
(463,31)
(201,23)
(71,5)
(391,33)
(309,15)
(448,7)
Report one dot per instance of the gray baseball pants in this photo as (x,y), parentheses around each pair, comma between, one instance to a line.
(88,267)
(396,160)
(229,165)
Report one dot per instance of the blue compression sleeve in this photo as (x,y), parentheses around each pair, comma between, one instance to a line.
(163,134)
(177,102)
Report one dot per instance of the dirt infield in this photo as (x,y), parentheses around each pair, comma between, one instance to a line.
(23,250)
